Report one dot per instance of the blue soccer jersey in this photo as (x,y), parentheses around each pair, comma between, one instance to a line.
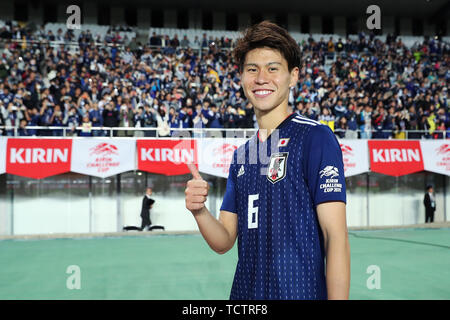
(274,192)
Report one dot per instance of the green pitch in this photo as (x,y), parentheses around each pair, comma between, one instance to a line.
(412,264)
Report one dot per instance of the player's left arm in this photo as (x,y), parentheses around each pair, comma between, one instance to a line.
(332,220)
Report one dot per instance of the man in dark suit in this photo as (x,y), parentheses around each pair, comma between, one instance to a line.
(430,204)
(147,204)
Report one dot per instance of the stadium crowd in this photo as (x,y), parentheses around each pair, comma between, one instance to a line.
(363,88)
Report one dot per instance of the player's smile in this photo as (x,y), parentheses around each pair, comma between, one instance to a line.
(262,93)
(266,79)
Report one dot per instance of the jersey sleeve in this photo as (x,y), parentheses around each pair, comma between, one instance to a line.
(324,166)
(229,199)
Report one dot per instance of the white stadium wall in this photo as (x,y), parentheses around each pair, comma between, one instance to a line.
(65,212)
(53,215)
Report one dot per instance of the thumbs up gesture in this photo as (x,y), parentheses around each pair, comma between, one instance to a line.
(196,191)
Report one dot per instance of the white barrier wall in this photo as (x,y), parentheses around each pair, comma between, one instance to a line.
(69,208)
(52,215)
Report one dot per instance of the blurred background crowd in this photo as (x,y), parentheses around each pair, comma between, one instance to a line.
(361,88)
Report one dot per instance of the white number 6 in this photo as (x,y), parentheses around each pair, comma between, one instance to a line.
(252,211)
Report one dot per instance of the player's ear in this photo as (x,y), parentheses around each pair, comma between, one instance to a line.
(294,77)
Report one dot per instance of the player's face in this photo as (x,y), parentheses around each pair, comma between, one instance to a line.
(266,79)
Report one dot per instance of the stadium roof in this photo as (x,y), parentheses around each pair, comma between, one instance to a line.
(406,8)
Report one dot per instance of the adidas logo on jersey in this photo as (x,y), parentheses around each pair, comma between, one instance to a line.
(241,171)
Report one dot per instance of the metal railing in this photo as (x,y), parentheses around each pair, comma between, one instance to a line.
(75,45)
(155,132)
(136,132)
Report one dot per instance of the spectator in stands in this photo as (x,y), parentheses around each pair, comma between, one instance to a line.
(162,119)
(401,122)
(424,127)
(96,118)
(440,130)
(110,117)
(22,131)
(379,121)
(139,121)
(364,120)
(175,43)
(413,123)
(197,43)
(57,120)
(342,128)
(240,117)
(126,119)
(127,56)
(331,49)
(229,117)
(34,119)
(215,120)
(185,43)
(431,119)
(86,127)
(11,116)
(352,124)
(339,109)
(204,42)
(72,120)
(174,121)
(327,118)
(198,120)
(185,115)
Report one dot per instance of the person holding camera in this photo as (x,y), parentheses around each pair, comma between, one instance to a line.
(11,117)
(174,121)
(126,118)
(95,116)
(110,117)
(57,120)
(149,121)
(72,120)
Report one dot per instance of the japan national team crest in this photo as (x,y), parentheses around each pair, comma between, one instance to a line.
(277,166)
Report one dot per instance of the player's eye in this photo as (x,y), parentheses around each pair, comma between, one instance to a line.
(251,70)
(273,69)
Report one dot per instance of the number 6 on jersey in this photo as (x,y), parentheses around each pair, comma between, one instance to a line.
(252,211)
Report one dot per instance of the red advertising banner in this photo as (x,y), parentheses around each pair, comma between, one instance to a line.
(395,157)
(164,156)
(38,158)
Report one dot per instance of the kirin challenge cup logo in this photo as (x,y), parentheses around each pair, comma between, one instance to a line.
(103,154)
(106,149)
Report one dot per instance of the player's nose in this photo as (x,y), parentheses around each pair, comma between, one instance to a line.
(261,77)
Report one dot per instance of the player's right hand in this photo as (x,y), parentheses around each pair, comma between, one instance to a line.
(196,191)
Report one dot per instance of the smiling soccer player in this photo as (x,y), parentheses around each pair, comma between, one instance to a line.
(288,213)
